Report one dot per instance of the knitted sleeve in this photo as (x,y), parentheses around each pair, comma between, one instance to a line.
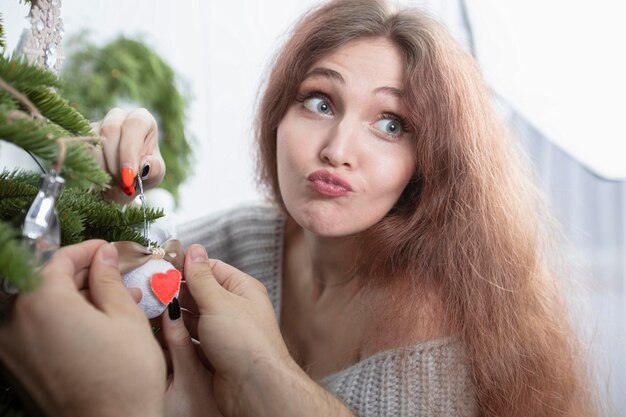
(428,379)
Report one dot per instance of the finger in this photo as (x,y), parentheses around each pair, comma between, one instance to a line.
(152,170)
(95,126)
(230,278)
(238,282)
(135,294)
(200,280)
(86,295)
(97,149)
(115,193)
(105,283)
(191,323)
(158,334)
(178,340)
(110,132)
(202,357)
(186,300)
(64,264)
(139,137)
(168,366)
(81,279)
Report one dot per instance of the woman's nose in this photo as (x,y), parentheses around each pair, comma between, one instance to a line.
(340,145)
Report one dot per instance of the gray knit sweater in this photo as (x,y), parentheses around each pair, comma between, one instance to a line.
(428,379)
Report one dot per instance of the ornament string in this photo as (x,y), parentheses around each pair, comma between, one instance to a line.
(146,224)
(35,114)
(22,98)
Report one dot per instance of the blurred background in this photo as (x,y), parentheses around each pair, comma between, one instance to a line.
(557,71)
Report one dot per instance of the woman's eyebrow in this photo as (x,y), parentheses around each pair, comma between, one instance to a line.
(325,72)
(396,92)
(332,74)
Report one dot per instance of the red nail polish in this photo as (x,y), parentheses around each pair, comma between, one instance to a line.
(128,190)
(128,176)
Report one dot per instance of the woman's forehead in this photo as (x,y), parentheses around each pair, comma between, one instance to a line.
(376,60)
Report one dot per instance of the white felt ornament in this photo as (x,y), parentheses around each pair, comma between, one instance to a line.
(159,282)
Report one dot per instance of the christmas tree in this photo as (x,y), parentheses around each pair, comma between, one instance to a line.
(36,117)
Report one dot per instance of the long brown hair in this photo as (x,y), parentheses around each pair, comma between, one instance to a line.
(470,222)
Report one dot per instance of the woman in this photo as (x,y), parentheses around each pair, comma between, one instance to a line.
(406,255)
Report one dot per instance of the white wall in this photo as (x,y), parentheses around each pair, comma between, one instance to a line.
(561,64)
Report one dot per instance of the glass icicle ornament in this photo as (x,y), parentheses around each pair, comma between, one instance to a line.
(41,229)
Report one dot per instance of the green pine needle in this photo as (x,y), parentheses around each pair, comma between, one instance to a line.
(80,167)
(59,111)
(21,74)
(17,191)
(32,135)
(105,220)
(82,215)
(15,259)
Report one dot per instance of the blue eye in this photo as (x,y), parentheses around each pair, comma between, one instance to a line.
(318,105)
(391,127)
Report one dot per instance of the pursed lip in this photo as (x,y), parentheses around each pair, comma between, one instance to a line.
(329,178)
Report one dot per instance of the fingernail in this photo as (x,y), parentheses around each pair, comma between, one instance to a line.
(198,254)
(109,255)
(173,310)
(128,190)
(128,175)
(145,170)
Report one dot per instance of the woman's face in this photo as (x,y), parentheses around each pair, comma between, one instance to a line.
(344,153)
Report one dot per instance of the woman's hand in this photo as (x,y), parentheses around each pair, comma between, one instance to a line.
(238,332)
(130,145)
(236,326)
(190,385)
(89,353)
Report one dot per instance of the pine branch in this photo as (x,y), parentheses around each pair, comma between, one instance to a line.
(36,84)
(20,175)
(15,259)
(31,135)
(80,167)
(17,191)
(21,74)
(59,111)
(82,215)
(105,220)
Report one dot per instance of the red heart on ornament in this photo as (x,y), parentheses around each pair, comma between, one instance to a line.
(165,285)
